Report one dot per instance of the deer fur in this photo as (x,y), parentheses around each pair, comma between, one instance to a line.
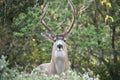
(59,60)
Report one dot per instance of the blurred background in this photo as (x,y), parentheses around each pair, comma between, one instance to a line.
(93,45)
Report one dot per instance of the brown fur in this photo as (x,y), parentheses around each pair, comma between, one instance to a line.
(58,63)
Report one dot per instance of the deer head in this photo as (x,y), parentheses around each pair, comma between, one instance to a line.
(59,60)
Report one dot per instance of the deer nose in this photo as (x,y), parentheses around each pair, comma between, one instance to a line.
(59,46)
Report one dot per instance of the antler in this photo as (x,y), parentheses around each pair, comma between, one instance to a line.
(49,29)
(42,19)
(73,18)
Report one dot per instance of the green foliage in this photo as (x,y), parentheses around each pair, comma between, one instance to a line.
(36,74)
(93,44)
(5,72)
(26,24)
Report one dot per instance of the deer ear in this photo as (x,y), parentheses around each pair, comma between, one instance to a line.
(47,36)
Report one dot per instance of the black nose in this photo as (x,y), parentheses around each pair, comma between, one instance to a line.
(59,46)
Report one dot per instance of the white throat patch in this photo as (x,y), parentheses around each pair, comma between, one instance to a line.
(59,53)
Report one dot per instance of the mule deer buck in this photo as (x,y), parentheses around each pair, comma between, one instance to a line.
(59,59)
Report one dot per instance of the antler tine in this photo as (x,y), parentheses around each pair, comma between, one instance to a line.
(73,18)
(42,19)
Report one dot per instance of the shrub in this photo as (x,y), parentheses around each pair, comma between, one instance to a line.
(37,74)
(5,72)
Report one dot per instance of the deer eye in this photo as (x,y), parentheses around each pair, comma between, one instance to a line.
(64,40)
(55,40)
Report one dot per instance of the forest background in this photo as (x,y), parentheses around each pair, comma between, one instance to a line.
(93,45)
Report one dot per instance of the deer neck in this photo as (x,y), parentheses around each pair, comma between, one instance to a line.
(59,61)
